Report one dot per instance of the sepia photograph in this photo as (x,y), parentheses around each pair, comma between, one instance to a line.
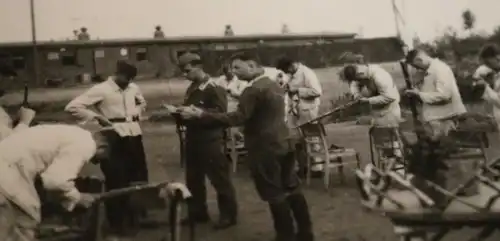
(262,120)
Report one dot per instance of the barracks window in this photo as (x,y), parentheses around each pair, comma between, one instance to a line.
(18,62)
(68,57)
(141,54)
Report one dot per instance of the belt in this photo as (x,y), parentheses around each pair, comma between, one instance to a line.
(125,119)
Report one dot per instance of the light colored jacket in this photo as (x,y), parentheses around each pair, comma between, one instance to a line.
(309,88)
(439,93)
(55,152)
(383,96)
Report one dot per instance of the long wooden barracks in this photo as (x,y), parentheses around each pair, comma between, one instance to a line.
(64,63)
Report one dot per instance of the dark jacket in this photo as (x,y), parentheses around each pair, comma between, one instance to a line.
(211,99)
(262,112)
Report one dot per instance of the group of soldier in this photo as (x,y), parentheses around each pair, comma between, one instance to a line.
(269,102)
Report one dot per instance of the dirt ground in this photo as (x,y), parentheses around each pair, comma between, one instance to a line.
(337,214)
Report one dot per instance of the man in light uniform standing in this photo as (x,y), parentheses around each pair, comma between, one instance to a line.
(56,153)
(121,104)
(438,91)
(303,101)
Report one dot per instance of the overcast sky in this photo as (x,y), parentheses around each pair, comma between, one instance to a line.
(56,19)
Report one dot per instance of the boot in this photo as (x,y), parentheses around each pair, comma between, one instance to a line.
(197,214)
(228,209)
(283,221)
(300,211)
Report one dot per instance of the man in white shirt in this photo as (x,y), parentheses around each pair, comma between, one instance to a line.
(304,90)
(438,91)
(234,88)
(55,153)
(373,85)
(487,78)
(120,103)
(303,101)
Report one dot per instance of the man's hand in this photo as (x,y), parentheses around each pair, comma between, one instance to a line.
(412,92)
(26,115)
(480,82)
(363,100)
(86,200)
(103,121)
(292,89)
(191,112)
(170,108)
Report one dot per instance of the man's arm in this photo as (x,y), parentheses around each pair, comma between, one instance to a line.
(386,89)
(312,87)
(140,100)
(246,107)
(79,106)
(491,96)
(355,89)
(217,99)
(63,170)
(444,82)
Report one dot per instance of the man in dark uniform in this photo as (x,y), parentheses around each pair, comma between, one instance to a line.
(262,112)
(204,147)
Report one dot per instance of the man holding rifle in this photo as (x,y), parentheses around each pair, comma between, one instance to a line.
(373,85)
(120,103)
(439,94)
(56,154)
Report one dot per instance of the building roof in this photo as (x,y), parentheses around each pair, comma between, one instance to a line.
(184,40)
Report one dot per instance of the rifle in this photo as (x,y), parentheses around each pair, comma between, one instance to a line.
(25,97)
(413,101)
(334,110)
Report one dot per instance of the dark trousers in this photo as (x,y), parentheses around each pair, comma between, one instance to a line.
(278,184)
(207,159)
(126,165)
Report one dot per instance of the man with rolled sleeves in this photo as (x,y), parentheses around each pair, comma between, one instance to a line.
(120,104)
(204,147)
(261,110)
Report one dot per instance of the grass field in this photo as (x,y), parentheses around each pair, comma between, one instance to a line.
(337,214)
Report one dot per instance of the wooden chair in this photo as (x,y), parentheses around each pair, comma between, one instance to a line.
(234,149)
(386,148)
(319,152)
(58,225)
